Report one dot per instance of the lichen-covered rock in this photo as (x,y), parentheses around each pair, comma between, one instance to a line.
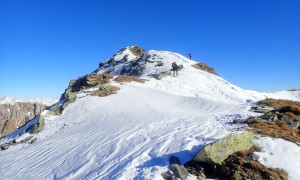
(218,151)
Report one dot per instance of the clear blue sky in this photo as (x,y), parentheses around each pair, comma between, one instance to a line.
(254,44)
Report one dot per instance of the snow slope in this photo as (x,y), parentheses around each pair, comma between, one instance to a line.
(132,134)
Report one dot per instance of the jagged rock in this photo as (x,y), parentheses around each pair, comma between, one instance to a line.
(90,80)
(205,67)
(167,175)
(13,116)
(218,151)
(137,51)
(81,83)
(179,171)
(39,125)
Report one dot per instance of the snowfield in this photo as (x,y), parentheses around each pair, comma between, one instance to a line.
(132,134)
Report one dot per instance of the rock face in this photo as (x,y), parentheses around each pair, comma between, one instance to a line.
(128,61)
(218,151)
(82,83)
(13,116)
(205,67)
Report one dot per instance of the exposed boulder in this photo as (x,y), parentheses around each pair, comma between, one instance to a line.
(14,116)
(218,151)
(179,171)
(205,67)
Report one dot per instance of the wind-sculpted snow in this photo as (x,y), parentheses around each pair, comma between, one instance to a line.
(130,134)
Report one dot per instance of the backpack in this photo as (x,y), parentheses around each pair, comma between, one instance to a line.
(174,66)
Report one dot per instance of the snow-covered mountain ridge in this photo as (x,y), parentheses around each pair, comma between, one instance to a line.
(132,134)
(135,61)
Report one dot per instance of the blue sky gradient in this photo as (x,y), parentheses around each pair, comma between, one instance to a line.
(254,44)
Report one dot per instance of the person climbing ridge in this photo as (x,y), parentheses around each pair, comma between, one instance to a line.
(190,55)
(175,68)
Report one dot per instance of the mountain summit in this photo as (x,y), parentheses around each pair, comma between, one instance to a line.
(142,117)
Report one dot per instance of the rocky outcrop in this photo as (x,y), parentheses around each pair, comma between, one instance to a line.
(280,119)
(105,90)
(137,51)
(89,80)
(39,125)
(14,116)
(218,151)
(239,165)
(205,67)
(83,83)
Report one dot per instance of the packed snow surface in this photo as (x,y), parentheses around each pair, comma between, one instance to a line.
(132,134)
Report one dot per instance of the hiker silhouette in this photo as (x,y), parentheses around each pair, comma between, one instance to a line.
(190,55)
(175,68)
